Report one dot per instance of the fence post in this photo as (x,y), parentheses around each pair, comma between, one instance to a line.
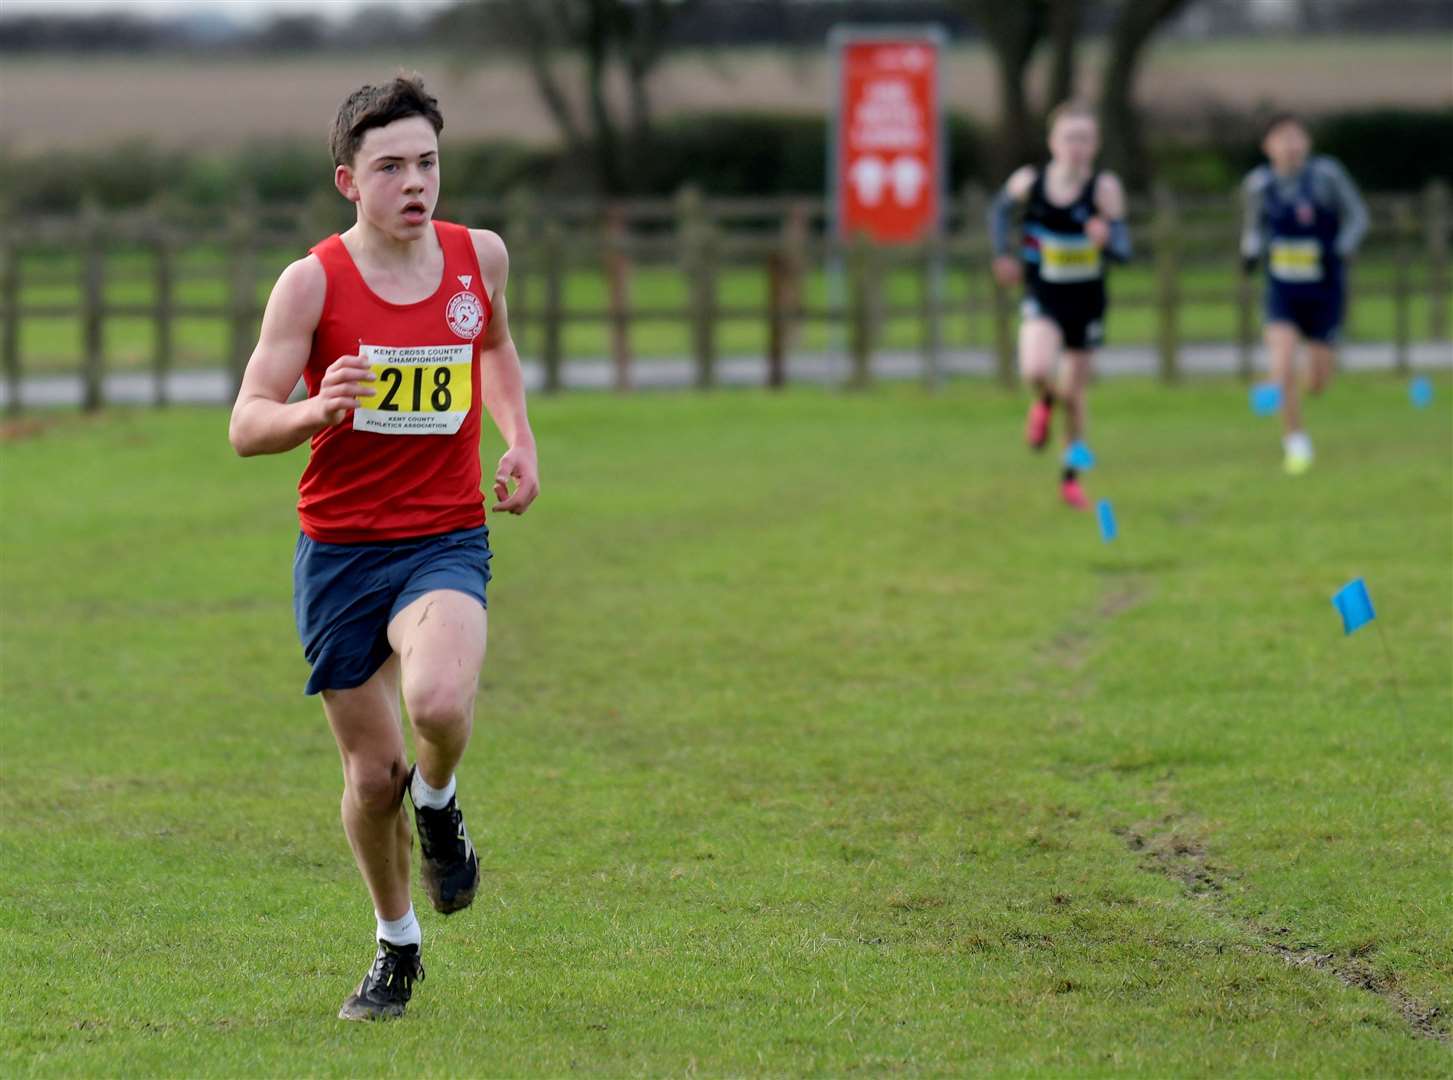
(1245,323)
(1435,224)
(863,293)
(242,251)
(777,318)
(93,290)
(698,257)
(1000,302)
(1404,229)
(1245,311)
(930,309)
(552,253)
(618,279)
(972,202)
(521,238)
(1167,284)
(785,267)
(10,302)
(162,249)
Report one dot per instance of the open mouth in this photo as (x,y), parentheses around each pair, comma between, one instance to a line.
(415,213)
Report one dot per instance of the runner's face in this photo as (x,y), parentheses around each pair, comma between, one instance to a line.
(1287,146)
(1074,141)
(395,177)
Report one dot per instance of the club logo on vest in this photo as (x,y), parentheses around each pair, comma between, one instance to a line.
(465,315)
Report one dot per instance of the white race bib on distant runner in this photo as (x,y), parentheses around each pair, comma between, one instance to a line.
(1296,260)
(1067,259)
(417,390)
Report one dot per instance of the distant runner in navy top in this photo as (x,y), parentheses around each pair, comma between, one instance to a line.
(1303,219)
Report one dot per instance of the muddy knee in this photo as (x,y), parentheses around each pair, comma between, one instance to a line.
(375,787)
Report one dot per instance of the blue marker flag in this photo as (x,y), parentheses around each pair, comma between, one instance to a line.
(1108,531)
(1421,392)
(1354,605)
(1265,398)
(1078,456)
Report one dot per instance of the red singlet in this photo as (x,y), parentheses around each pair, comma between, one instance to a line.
(405,463)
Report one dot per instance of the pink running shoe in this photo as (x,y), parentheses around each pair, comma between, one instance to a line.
(1036,426)
(1074,495)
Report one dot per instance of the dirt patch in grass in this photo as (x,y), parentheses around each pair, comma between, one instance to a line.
(1175,846)
(1070,646)
(24,428)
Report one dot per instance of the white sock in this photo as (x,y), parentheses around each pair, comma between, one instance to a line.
(432,797)
(1298,443)
(401,931)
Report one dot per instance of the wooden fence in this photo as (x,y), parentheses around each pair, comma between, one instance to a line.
(783,239)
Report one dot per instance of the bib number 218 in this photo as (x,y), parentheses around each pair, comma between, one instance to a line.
(417,390)
(439,400)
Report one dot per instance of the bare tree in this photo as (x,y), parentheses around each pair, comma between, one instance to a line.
(1065,21)
(603,37)
(1124,146)
(1013,31)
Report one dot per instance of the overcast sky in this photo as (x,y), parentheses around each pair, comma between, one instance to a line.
(241,10)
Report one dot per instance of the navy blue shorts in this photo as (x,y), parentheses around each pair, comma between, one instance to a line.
(1316,312)
(344,596)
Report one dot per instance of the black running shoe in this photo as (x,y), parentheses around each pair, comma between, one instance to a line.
(387,987)
(450,870)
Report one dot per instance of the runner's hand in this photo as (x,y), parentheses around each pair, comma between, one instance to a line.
(1098,230)
(519,465)
(347,380)
(1007,271)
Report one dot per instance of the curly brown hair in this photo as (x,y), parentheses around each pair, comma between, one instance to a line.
(374,106)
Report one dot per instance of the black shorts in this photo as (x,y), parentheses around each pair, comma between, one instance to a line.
(1079,312)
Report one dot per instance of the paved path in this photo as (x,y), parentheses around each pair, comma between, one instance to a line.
(212,387)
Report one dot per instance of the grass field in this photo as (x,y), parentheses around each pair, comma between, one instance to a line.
(815,739)
(52,345)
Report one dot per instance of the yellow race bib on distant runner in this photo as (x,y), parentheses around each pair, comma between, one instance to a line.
(1296,260)
(417,389)
(1068,259)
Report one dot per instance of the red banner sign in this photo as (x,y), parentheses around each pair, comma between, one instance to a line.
(889,147)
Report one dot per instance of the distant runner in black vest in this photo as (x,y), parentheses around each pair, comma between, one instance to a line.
(1073,219)
(1303,215)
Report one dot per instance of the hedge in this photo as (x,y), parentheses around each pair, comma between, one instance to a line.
(725,154)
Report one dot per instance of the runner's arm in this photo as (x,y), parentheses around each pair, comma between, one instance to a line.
(504,383)
(1252,241)
(1349,205)
(263,421)
(1001,210)
(1110,202)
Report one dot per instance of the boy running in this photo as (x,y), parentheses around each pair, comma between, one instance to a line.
(399,330)
(1073,218)
(1305,217)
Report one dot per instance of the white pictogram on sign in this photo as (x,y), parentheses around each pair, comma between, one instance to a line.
(872,178)
(869,176)
(909,176)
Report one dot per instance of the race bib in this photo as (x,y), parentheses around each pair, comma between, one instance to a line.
(1296,260)
(417,389)
(1064,259)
